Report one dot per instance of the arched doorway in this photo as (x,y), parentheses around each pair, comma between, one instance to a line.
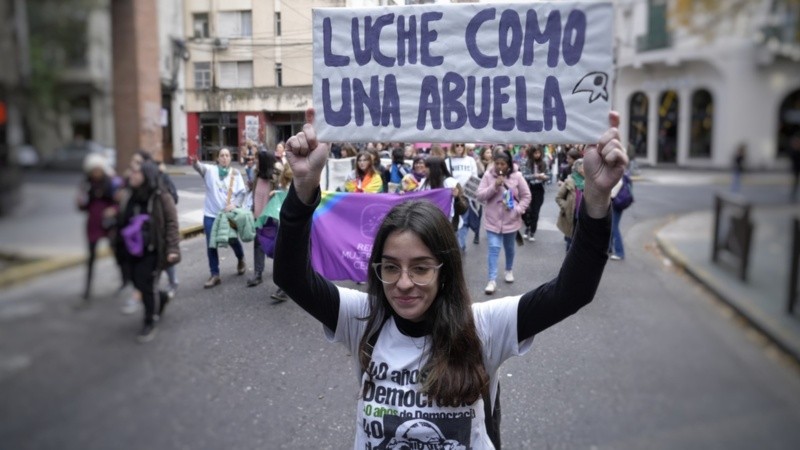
(788,121)
(668,127)
(637,132)
(702,124)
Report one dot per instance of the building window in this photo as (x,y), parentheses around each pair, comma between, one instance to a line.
(637,134)
(81,116)
(658,35)
(277,23)
(668,127)
(788,122)
(702,124)
(200,23)
(236,74)
(202,75)
(236,24)
(278,74)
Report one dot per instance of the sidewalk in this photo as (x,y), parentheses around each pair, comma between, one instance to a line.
(46,232)
(762,299)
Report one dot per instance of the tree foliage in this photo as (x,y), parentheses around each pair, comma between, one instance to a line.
(58,41)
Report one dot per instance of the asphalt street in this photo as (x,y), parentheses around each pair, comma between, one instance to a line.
(654,362)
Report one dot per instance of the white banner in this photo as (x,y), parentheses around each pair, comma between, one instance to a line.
(335,172)
(500,73)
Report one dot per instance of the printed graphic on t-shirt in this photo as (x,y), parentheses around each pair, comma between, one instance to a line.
(397,414)
(461,168)
(222,187)
(447,434)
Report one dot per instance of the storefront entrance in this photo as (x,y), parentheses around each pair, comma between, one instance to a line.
(218,130)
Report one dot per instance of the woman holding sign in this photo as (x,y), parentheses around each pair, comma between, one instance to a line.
(428,356)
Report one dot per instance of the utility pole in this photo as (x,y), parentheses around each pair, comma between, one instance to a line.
(136,79)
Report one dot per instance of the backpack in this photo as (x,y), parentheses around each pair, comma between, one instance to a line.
(624,197)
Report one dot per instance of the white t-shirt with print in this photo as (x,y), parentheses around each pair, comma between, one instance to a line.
(462,168)
(394,410)
(217,190)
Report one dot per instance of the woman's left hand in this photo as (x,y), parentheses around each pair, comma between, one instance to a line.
(603,166)
(173,258)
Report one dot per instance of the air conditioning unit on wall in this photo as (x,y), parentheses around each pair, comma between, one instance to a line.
(220,43)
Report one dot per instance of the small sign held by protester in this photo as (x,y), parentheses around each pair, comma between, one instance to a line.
(471,188)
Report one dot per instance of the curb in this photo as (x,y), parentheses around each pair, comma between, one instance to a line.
(756,318)
(35,268)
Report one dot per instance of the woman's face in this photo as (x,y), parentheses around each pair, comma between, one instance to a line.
(501,166)
(459,149)
(279,151)
(224,157)
(96,173)
(364,163)
(136,161)
(486,155)
(405,251)
(136,177)
(537,154)
(419,166)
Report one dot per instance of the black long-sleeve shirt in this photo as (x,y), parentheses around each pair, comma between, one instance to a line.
(573,287)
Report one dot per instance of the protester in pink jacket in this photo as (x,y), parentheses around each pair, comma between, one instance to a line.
(506,196)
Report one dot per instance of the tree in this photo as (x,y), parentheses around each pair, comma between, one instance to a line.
(58,43)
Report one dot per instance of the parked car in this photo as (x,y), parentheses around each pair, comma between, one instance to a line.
(27,157)
(71,156)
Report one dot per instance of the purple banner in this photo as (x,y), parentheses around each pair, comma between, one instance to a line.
(345,225)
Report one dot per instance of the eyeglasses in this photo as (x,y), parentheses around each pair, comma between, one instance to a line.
(421,275)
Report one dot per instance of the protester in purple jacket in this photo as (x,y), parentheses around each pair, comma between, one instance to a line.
(505,195)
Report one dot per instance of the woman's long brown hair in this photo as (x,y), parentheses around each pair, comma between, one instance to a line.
(454,373)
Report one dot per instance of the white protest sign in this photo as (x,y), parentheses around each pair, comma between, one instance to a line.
(501,73)
(335,173)
(471,188)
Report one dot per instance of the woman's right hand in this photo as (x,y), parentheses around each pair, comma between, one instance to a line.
(307,157)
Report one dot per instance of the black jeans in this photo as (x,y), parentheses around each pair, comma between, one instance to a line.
(90,269)
(145,276)
(531,216)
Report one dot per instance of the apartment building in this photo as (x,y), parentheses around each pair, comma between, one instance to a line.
(173,57)
(697,79)
(249,72)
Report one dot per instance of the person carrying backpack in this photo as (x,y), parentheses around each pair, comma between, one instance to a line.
(621,199)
